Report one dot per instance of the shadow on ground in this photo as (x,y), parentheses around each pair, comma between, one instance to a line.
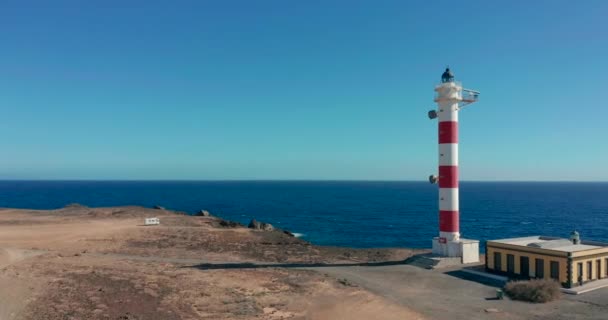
(248,265)
(476,278)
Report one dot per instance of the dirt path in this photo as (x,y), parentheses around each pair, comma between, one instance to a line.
(14,292)
(60,236)
(436,294)
(9,256)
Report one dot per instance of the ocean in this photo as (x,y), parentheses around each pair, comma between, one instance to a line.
(348,213)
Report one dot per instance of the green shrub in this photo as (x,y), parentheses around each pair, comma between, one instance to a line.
(537,290)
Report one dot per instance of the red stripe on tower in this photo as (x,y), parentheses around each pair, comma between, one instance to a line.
(449,221)
(448,132)
(448,176)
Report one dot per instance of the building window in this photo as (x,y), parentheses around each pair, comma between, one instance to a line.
(510,264)
(524,266)
(497,262)
(555,270)
(540,268)
(589,269)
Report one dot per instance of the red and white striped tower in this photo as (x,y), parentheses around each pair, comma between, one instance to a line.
(450,99)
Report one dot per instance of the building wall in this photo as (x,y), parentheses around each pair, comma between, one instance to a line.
(548,256)
(532,256)
(470,251)
(584,260)
(586,253)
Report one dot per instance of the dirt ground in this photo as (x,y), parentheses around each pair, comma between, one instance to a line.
(435,293)
(102,263)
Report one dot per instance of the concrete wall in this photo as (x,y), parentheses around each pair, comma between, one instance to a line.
(548,256)
(563,262)
(586,253)
(584,260)
(470,252)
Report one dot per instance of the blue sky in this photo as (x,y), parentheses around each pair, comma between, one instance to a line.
(299,89)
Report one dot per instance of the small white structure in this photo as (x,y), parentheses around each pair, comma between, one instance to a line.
(151,221)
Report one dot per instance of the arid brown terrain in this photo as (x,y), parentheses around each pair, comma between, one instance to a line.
(103,263)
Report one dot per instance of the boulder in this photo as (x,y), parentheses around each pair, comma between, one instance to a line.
(257,225)
(202,213)
(229,224)
(159,207)
(254,224)
(289,233)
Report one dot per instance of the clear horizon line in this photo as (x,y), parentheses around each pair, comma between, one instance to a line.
(280,180)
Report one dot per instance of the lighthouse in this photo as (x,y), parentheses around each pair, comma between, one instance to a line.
(451,98)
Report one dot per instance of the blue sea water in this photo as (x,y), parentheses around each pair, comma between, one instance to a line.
(341,213)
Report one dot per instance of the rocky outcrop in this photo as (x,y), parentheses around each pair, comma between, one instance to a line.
(229,224)
(257,225)
(202,213)
(159,207)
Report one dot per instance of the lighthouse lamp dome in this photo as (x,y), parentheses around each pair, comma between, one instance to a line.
(447,76)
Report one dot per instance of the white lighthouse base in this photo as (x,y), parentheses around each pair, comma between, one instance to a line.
(466,249)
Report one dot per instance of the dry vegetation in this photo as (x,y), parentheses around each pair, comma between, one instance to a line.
(101,263)
(536,290)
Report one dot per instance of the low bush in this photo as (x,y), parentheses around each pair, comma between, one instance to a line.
(537,290)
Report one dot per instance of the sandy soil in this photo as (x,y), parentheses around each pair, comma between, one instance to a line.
(102,263)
